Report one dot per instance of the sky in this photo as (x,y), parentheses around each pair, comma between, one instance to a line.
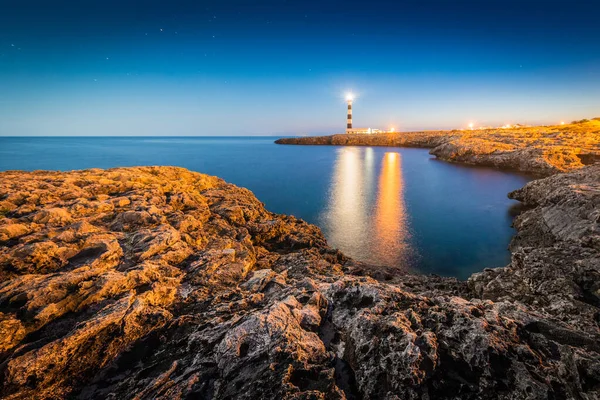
(277,67)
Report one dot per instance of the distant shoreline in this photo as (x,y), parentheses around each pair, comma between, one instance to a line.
(538,150)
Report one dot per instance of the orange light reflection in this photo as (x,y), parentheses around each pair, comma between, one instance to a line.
(366,216)
(390,212)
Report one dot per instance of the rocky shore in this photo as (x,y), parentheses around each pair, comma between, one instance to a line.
(157,282)
(541,150)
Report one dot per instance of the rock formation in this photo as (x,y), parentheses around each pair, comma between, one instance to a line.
(157,282)
(542,150)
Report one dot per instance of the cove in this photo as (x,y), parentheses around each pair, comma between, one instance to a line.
(382,205)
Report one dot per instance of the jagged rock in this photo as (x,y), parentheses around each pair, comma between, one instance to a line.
(163,283)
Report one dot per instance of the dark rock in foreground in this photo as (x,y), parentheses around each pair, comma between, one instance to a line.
(162,283)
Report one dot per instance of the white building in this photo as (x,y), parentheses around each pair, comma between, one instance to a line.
(367,131)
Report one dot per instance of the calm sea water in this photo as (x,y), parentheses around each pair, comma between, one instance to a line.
(389,206)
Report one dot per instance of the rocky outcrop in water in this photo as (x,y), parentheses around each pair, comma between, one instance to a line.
(543,150)
(158,282)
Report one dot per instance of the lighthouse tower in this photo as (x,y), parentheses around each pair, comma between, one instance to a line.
(349,99)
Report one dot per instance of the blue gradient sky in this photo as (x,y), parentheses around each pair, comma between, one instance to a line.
(281,67)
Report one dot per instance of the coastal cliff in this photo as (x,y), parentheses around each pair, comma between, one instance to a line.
(541,150)
(157,282)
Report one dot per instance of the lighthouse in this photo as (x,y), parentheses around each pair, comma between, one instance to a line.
(349,99)
(351,129)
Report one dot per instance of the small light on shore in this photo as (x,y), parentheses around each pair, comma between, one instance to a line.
(349,96)
(471,126)
(392,129)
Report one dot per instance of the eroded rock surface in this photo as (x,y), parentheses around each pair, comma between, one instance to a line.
(556,253)
(157,282)
(542,150)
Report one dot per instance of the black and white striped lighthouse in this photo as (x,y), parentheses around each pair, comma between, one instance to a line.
(349,99)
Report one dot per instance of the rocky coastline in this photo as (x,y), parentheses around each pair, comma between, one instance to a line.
(540,150)
(158,282)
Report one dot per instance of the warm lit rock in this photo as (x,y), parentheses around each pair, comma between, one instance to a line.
(11,231)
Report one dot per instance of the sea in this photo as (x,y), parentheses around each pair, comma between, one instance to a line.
(382,205)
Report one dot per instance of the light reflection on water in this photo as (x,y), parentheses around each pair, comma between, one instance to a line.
(366,213)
